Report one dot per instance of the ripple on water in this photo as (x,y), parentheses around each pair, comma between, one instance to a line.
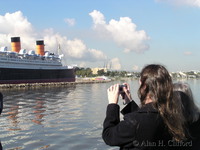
(58,118)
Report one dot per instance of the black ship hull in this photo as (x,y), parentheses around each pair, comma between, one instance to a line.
(17,76)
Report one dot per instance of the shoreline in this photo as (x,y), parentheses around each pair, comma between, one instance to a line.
(57,84)
(50,84)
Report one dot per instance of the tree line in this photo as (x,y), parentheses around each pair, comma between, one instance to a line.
(87,72)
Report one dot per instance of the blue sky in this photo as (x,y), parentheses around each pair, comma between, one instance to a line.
(124,34)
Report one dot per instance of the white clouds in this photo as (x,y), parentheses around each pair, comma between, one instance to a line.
(187,53)
(123,32)
(195,3)
(82,64)
(97,55)
(115,64)
(98,18)
(75,49)
(70,21)
(136,68)
(15,24)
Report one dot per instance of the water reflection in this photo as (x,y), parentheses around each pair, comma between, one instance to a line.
(12,115)
(24,110)
(39,112)
(60,118)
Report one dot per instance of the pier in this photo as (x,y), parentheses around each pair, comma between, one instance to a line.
(51,84)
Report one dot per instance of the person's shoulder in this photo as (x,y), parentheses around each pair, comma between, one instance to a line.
(195,126)
(147,109)
(145,114)
(131,117)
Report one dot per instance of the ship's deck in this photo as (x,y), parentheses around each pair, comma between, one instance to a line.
(30,62)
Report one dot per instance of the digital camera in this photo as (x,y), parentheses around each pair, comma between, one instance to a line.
(121,87)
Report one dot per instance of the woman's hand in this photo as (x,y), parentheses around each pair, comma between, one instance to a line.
(126,95)
(113,94)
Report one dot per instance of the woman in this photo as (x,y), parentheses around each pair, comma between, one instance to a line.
(150,126)
(191,112)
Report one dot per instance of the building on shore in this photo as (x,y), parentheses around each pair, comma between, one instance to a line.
(95,70)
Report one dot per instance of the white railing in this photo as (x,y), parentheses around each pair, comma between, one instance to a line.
(17,62)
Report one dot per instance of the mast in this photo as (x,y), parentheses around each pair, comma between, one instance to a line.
(59,49)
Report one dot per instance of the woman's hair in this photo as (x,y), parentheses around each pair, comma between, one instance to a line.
(156,83)
(184,93)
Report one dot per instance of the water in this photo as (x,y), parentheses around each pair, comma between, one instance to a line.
(59,118)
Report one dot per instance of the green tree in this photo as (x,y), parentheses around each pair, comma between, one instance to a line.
(88,72)
(83,72)
(101,72)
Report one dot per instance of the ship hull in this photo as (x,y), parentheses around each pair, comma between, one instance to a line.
(17,76)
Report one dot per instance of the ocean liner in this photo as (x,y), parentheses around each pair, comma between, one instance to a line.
(21,66)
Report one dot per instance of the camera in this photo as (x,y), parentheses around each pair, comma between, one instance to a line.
(121,87)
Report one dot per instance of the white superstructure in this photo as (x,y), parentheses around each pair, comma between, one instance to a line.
(29,60)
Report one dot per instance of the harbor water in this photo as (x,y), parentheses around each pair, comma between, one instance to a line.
(60,118)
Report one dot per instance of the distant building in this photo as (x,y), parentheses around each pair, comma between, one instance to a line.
(95,70)
(182,75)
(129,74)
